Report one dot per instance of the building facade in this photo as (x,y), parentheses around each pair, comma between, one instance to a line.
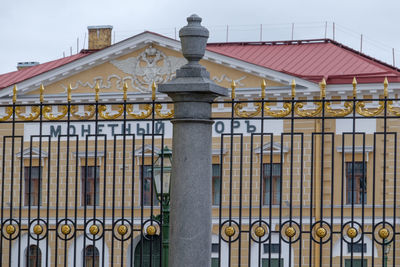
(303,174)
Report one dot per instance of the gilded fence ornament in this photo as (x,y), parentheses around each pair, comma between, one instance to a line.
(363,111)
(287,108)
(15,94)
(233,86)
(167,115)
(293,85)
(153,91)
(41,90)
(239,106)
(142,115)
(107,115)
(69,93)
(298,107)
(97,89)
(8,114)
(47,113)
(35,112)
(125,88)
(85,115)
(348,105)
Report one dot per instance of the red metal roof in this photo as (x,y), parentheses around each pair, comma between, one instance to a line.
(307,59)
(311,60)
(14,77)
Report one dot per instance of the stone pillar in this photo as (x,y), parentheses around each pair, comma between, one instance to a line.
(192,92)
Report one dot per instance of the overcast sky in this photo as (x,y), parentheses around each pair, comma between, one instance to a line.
(42,30)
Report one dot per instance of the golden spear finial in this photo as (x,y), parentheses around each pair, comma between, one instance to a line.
(293,88)
(354,87)
(97,89)
(15,94)
(69,93)
(153,90)
(322,86)
(233,86)
(385,87)
(263,86)
(125,88)
(41,90)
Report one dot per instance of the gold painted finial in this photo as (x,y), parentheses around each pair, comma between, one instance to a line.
(97,89)
(15,94)
(322,86)
(385,87)
(69,93)
(41,90)
(233,86)
(293,88)
(153,91)
(263,86)
(354,87)
(125,88)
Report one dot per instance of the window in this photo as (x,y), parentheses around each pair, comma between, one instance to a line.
(355,263)
(273,247)
(151,247)
(90,188)
(357,248)
(148,187)
(356,186)
(216,183)
(33,256)
(33,185)
(272,183)
(274,262)
(91,258)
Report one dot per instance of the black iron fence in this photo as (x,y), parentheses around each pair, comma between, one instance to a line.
(295,182)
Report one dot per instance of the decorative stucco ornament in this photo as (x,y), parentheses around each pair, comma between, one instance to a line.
(152,65)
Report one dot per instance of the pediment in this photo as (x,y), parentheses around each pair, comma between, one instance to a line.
(34,151)
(139,61)
(147,151)
(276,148)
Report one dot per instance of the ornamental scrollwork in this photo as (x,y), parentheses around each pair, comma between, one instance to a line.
(84,115)
(348,108)
(8,114)
(47,113)
(298,109)
(33,115)
(363,111)
(287,108)
(142,115)
(166,115)
(107,115)
(246,114)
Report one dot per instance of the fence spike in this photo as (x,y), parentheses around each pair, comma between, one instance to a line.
(385,87)
(354,87)
(97,89)
(69,93)
(125,88)
(263,86)
(15,93)
(322,86)
(293,88)
(233,86)
(153,90)
(41,90)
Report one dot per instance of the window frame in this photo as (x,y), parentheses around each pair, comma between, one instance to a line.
(276,190)
(33,182)
(360,180)
(94,184)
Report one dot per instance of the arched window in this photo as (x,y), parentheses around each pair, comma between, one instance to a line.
(148,246)
(91,257)
(33,256)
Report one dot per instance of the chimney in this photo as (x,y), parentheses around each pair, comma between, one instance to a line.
(24,65)
(99,37)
